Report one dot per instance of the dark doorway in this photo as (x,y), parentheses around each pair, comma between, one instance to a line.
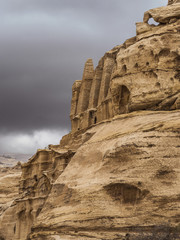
(95,120)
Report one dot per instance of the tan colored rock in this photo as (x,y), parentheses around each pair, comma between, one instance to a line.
(109,62)
(85,89)
(37,178)
(74,104)
(149,70)
(116,174)
(81,95)
(75,96)
(139,74)
(96,84)
(9,190)
(163,14)
(142,27)
(123,180)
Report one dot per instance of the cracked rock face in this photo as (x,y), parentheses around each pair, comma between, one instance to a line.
(116,174)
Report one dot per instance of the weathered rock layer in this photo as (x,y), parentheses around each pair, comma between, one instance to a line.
(123,179)
(9,190)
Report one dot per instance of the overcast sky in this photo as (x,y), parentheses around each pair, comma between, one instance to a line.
(43,47)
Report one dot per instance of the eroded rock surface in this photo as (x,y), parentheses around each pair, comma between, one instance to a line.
(141,74)
(116,175)
(123,180)
(9,190)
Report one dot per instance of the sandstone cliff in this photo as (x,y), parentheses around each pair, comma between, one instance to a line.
(141,74)
(116,174)
(9,190)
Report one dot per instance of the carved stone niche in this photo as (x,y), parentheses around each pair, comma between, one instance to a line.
(120,98)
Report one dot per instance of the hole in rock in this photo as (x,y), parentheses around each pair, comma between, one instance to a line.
(164,52)
(152,74)
(95,120)
(125,193)
(124,69)
(92,118)
(177,76)
(136,65)
(35,178)
(152,21)
(141,46)
(158,84)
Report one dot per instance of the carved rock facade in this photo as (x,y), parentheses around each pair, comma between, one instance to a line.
(141,74)
(116,174)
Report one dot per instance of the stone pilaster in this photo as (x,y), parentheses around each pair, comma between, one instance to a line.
(106,76)
(85,89)
(75,96)
(94,94)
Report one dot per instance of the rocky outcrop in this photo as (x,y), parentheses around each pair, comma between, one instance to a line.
(38,176)
(164,14)
(116,174)
(9,190)
(124,179)
(173,1)
(141,74)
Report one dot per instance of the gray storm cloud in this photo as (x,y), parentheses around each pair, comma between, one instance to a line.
(44,44)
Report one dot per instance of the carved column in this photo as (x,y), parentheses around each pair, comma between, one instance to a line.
(106,76)
(85,86)
(75,96)
(94,94)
